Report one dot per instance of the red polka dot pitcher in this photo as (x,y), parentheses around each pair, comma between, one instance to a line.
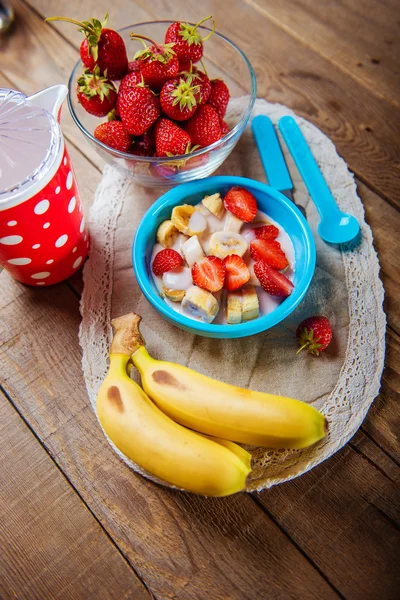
(43,237)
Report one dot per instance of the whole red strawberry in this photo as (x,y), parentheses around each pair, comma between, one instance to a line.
(201,80)
(171,140)
(157,63)
(130,80)
(204,127)
(138,108)
(101,46)
(113,134)
(179,97)
(96,94)
(133,65)
(314,334)
(166,260)
(224,127)
(188,44)
(219,96)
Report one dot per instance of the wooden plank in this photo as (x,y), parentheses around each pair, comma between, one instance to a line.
(361,38)
(345,515)
(181,545)
(51,546)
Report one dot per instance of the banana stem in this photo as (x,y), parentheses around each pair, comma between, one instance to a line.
(127,337)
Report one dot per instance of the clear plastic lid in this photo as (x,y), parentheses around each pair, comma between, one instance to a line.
(29,142)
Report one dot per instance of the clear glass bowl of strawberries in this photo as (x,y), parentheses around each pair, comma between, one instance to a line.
(165,102)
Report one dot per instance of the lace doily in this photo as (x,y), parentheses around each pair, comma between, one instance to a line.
(342,382)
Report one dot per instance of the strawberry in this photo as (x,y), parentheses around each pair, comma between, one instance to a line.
(188,44)
(224,127)
(144,145)
(209,273)
(201,80)
(314,334)
(171,140)
(157,63)
(237,273)
(178,97)
(272,281)
(266,232)
(113,134)
(138,108)
(102,46)
(166,260)
(269,251)
(130,80)
(96,94)
(204,128)
(219,96)
(133,66)
(241,203)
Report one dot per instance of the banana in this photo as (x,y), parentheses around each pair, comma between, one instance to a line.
(164,449)
(200,304)
(214,204)
(250,305)
(188,220)
(223,243)
(234,308)
(232,223)
(174,295)
(225,411)
(167,234)
(192,250)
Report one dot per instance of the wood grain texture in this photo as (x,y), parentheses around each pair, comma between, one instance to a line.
(181,545)
(51,545)
(361,38)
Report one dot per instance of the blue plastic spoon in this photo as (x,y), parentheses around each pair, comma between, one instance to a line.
(335,227)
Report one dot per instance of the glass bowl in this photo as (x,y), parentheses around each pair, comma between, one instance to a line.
(229,63)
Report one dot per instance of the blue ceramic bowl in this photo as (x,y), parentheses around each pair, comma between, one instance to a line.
(275,204)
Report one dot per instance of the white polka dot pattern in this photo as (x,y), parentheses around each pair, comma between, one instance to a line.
(71,205)
(19,261)
(11,240)
(69,181)
(49,262)
(41,207)
(61,241)
(81,228)
(75,249)
(46,225)
(77,262)
(58,189)
(41,275)
(35,246)
(12,223)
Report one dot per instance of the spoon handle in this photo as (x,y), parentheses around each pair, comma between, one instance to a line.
(308,168)
(270,152)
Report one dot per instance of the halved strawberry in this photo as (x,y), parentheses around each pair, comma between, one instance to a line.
(209,273)
(241,203)
(166,260)
(269,251)
(272,281)
(266,232)
(237,273)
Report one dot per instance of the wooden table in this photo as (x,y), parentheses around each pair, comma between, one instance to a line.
(75,522)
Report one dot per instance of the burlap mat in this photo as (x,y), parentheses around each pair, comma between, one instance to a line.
(346,288)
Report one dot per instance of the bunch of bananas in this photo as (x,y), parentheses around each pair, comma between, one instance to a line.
(182,426)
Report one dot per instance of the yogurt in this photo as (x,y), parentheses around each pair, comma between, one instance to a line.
(181,278)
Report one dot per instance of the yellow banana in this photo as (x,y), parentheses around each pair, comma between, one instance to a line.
(226,411)
(156,443)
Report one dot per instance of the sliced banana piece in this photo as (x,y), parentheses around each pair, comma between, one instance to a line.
(232,223)
(167,234)
(234,308)
(223,243)
(214,204)
(174,295)
(197,223)
(178,279)
(253,277)
(180,217)
(192,250)
(200,304)
(250,304)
